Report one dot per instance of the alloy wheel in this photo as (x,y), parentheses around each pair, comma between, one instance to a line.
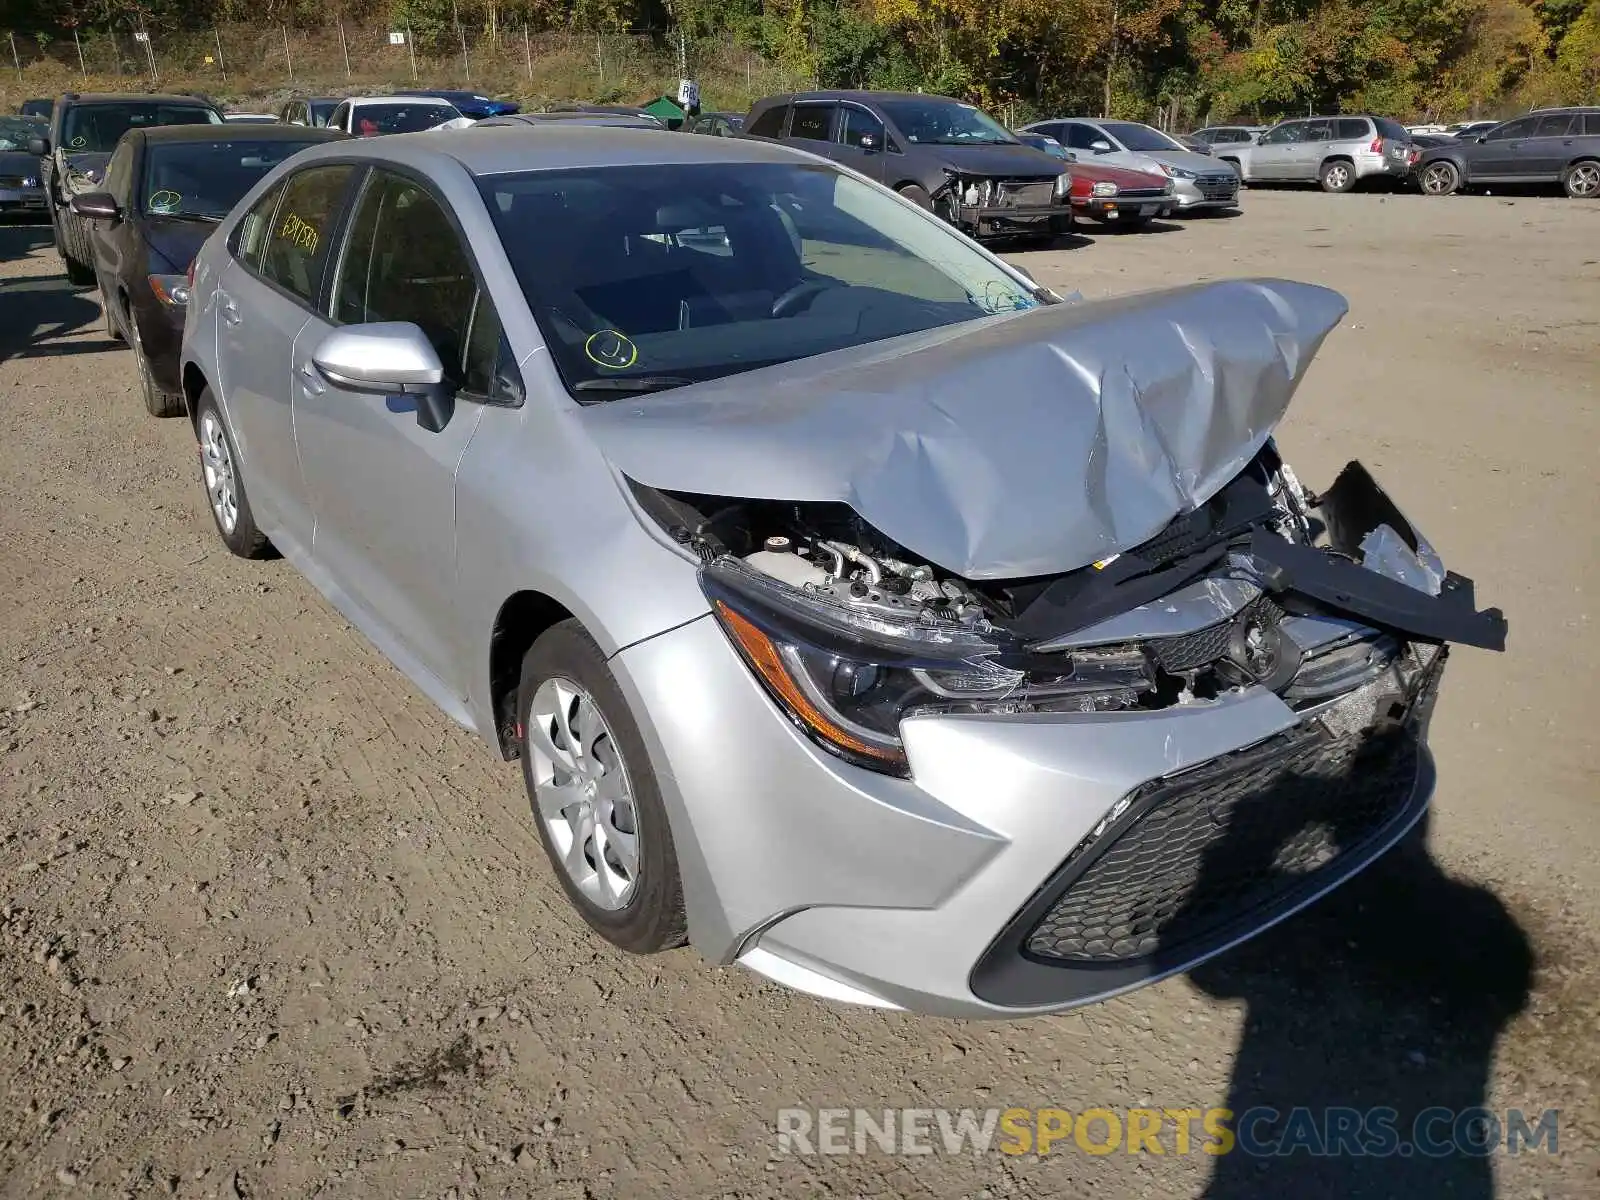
(216,466)
(582,793)
(1439,179)
(1583,180)
(1338,178)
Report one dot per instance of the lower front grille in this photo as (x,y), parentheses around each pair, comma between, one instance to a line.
(1217,187)
(1192,853)
(1024,193)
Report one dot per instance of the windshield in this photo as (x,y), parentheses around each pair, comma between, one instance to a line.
(95,128)
(15,132)
(373,119)
(1135,136)
(934,122)
(647,276)
(206,179)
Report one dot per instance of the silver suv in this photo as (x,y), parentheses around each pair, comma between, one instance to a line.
(1337,152)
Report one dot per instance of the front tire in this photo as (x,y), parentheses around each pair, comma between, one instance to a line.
(225,495)
(916,195)
(594,796)
(1582,180)
(1337,176)
(1439,178)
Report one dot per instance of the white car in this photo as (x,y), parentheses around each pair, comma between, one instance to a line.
(369,116)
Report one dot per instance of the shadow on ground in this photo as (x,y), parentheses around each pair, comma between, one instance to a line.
(1390,993)
(37,311)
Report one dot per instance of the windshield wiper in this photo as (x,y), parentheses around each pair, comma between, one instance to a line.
(634,383)
(183,216)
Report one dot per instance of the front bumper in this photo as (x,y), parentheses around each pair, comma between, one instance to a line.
(998,220)
(1114,208)
(1396,166)
(1208,192)
(14,201)
(924,893)
(161,334)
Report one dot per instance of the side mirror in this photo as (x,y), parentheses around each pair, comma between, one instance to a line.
(1100,147)
(97,206)
(389,358)
(867,142)
(39,146)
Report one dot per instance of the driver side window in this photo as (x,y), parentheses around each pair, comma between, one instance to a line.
(858,123)
(1282,135)
(1512,129)
(404,261)
(1080,137)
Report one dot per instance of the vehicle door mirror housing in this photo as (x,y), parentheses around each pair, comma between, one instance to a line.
(39,146)
(97,206)
(867,142)
(389,358)
(1100,146)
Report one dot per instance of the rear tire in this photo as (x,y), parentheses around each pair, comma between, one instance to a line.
(1582,179)
(1439,178)
(1337,176)
(916,195)
(618,865)
(219,473)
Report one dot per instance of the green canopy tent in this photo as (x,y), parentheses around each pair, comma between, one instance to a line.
(667,110)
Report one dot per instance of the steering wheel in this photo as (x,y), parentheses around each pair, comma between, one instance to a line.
(793,300)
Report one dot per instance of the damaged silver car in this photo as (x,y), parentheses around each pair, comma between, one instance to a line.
(859,611)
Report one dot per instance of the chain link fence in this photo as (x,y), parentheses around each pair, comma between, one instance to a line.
(238,61)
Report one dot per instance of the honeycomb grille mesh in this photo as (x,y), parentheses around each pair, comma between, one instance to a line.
(1229,838)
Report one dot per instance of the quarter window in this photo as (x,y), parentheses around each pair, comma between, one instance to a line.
(295,251)
(405,262)
(253,229)
(770,123)
(1591,123)
(812,122)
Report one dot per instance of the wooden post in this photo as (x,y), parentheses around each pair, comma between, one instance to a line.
(222,63)
(15,61)
(344,48)
(83,68)
(288,57)
(411,45)
(527,50)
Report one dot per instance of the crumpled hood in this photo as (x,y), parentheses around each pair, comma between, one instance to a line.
(1023,445)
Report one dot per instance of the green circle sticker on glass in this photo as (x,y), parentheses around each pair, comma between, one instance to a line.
(611,349)
(78,143)
(165,202)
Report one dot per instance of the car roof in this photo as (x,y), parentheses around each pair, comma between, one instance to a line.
(596,119)
(862,95)
(135,97)
(507,148)
(162,134)
(408,98)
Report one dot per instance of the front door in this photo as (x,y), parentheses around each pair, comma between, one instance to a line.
(383,487)
(1501,154)
(861,143)
(1274,154)
(811,127)
(263,301)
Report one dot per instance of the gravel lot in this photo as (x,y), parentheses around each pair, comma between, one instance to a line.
(271,926)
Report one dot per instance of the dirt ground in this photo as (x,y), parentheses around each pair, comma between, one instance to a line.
(271,926)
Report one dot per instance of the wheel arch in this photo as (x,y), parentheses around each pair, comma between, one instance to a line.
(194,382)
(522,617)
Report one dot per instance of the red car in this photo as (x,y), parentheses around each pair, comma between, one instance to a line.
(1119,195)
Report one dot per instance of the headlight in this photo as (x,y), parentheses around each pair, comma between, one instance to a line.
(171,290)
(1178,172)
(1106,188)
(1166,188)
(28,181)
(848,677)
(1063,184)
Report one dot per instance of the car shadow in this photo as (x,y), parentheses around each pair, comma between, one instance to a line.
(38,311)
(1390,993)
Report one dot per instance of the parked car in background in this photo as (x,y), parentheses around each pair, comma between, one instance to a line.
(370,116)
(1336,152)
(597,120)
(1120,196)
(1219,136)
(1553,146)
(312,110)
(37,107)
(21,191)
(164,191)
(240,118)
(84,129)
(1470,128)
(471,104)
(1190,142)
(942,154)
(1199,181)
(617,110)
(828,627)
(718,124)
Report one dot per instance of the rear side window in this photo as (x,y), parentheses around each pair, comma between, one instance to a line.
(1319,131)
(253,229)
(295,251)
(405,262)
(770,123)
(1559,125)
(1352,130)
(1393,129)
(812,122)
(1591,123)
(1081,137)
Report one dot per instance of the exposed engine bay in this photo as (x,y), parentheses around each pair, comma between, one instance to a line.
(1314,597)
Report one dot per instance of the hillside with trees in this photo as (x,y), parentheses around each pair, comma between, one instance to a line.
(1178,62)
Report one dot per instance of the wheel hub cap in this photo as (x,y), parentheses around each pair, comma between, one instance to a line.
(216,467)
(582,793)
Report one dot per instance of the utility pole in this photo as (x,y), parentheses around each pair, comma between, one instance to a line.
(15,61)
(78,42)
(527,50)
(222,63)
(466,67)
(411,45)
(344,48)
(288,57)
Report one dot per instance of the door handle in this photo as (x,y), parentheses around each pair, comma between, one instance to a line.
(311,380)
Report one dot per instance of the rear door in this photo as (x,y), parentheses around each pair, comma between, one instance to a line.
(1546,152)
(1307,154)
(264,300)
(811,126)
(382,487)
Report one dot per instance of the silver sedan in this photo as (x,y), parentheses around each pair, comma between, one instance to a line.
(858,610)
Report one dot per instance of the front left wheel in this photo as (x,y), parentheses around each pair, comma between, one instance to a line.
(594,796)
